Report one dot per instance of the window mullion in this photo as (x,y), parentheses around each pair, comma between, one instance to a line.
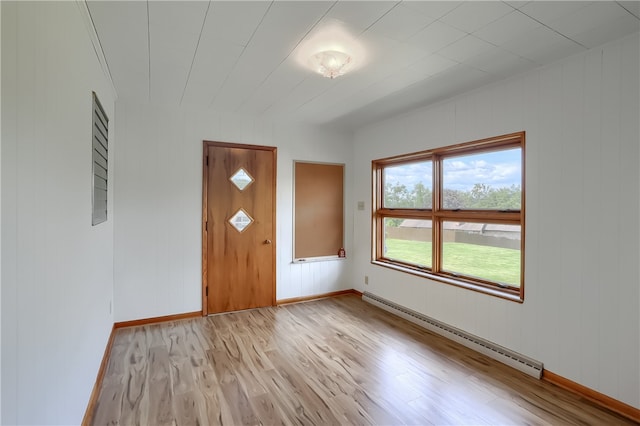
(480,216)
(377,203)
(436,246)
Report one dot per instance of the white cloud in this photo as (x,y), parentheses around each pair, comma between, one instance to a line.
(463,175)
(497,169)
(410,174)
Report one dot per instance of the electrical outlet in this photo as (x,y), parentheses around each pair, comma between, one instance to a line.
(366,279)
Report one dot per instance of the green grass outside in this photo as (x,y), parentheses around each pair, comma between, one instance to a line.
(490,263)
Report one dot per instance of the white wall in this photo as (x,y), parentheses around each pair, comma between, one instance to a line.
(158,189)
(0,211)
(580,315)
(57,270)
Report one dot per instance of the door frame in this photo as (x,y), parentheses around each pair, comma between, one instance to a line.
(205,183)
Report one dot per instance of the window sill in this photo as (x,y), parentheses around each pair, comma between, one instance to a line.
(317,259)
(511,295)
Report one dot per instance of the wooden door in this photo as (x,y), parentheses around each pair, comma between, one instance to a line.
(238,264)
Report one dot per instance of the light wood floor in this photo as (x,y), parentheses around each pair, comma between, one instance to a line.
(332,361)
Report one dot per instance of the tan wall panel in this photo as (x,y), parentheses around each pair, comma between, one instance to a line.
(319,209)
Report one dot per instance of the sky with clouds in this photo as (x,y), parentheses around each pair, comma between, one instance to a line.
(496,169)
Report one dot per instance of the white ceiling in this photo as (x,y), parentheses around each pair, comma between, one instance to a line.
(242,56)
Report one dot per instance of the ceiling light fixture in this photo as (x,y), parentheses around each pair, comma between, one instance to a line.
(331,63)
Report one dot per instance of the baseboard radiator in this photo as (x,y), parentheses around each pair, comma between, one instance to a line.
(478,344)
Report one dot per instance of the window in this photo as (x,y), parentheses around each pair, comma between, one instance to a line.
(455,214)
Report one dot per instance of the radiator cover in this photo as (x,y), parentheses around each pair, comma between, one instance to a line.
(499,353)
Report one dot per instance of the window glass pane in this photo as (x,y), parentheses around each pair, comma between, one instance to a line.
(241,179)
(488,180)
(489,251)
(408,185)
(240,220)
(408,241)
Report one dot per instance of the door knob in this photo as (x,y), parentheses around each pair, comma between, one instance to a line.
(267,241)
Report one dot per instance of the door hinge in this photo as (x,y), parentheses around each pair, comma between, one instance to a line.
(206,291)
(206,159)
(206,226)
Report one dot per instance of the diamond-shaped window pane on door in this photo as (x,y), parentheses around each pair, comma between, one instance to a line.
(241,179)
(240,220)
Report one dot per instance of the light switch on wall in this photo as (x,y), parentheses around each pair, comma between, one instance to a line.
(360,205)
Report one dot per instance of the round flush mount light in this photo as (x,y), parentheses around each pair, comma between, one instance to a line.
(331,51)
(331,63)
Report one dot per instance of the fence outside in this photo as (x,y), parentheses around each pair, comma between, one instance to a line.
(498,238)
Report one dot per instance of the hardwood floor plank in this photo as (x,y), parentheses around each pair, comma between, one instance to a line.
(267,410)
(109,406)
(216,410)
(440,411)
(133,408)
(154,335)
(333,361)
(159,383)
(187,407)
(225,365)
(160,407)
(350,411)
(295,382)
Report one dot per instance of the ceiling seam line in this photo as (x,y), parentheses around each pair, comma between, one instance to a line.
(630,12)
(382,16)
(264,111)
(149,48)
(100,44)
(289,54)
(554,30)
(195,52)
(244,48)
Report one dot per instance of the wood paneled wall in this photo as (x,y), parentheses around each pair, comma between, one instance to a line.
(57,270)
(158,194)
(580,314)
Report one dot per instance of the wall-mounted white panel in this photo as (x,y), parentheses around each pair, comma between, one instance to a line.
(57,270)
(581,310)
(629,212)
